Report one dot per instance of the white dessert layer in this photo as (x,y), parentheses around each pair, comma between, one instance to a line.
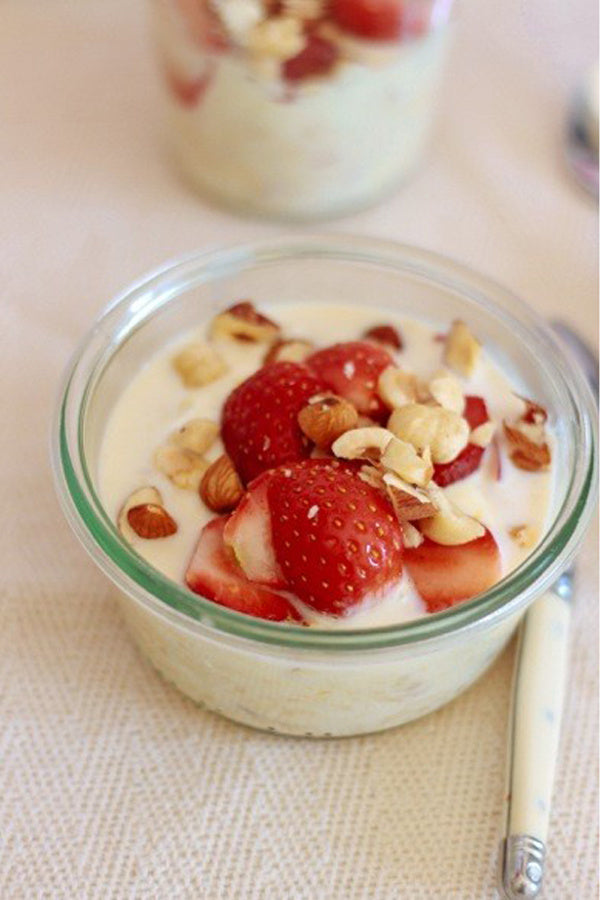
(156,403)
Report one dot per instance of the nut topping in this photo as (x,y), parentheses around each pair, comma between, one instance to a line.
(527,446)
(280,37)
(411,536)
(534,413)
(402,459)
(196,435)
(450,526)
(183,467)
(446,390)
(325,418)
(526,536)
(362,443)
(198,364)
(243,322)
(151,521)
(483,434)
(385,334)
(444,432)
(396,388)
(462,350)
(221,488)
(289,351)
(409,502)
(137,498)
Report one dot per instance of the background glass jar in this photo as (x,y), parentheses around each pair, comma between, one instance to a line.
(300,108)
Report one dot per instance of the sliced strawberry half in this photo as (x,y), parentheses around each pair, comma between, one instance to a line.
(469,459)
(248,533)
(259,424)
(336,538)
(352,370)
(378,20)
(214,573)
(445,575)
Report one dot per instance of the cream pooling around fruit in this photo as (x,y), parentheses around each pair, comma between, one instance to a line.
(156,403)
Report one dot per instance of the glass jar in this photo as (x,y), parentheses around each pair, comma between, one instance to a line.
(281,677)
(300,108)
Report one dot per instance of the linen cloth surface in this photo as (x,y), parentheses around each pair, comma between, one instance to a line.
(112,784)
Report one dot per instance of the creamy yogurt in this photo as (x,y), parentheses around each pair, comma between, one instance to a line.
(155,403)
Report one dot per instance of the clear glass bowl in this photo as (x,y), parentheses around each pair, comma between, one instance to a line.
(249,127)
(289,679)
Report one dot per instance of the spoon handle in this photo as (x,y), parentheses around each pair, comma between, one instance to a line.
(538,694)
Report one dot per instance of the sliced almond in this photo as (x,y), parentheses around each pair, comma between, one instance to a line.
(221,488)
(140,496)
(450,526)
(362,443)
(409,502)
(447,391)
(483,434)
(151,521)
(525,536)
(534,413)
(197,435)
(462,349)
(385,334)
(401,458)
(183,467)
(444,432)
(243,322)
(527,446)
(396,388)
(289,351)
(411,536)
(326,418)
(373,476)
(198,364)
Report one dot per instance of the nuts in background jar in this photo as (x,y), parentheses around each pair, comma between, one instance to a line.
(462,350)
(243,322)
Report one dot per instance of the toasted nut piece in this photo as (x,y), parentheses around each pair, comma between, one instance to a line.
(325,418)
(362,443)
(411,536)
(447,391)
(280,37)
(198,364)
(385,334)
(374,477)
(462,349)
(401,458)
(137,498)
(526,536)
(443,431)
(527,446)
(196,435)
(409,502)
(534,413)
(289,351)
(151,521)
(183,467)
(396,388)
(243,322)
(221,488)
(483,434)
(450,526)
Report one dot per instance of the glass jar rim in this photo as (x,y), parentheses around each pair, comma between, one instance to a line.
(137,303)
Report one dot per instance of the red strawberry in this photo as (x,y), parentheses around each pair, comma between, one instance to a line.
(317,58)
(248,533)
(444,575)
(259,425)
(336,538)
(380,20)
(352,370)
(214,573)
(469,459)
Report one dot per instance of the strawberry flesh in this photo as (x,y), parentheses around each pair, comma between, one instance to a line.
(259,424)
(248,533)
(214,573)
(377,20)
(352,370)
(469,459)
(336,539)
(318,57)
(445,576)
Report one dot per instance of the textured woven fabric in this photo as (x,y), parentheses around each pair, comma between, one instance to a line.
(112,785)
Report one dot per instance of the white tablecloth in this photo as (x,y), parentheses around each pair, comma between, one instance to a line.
(112,785)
